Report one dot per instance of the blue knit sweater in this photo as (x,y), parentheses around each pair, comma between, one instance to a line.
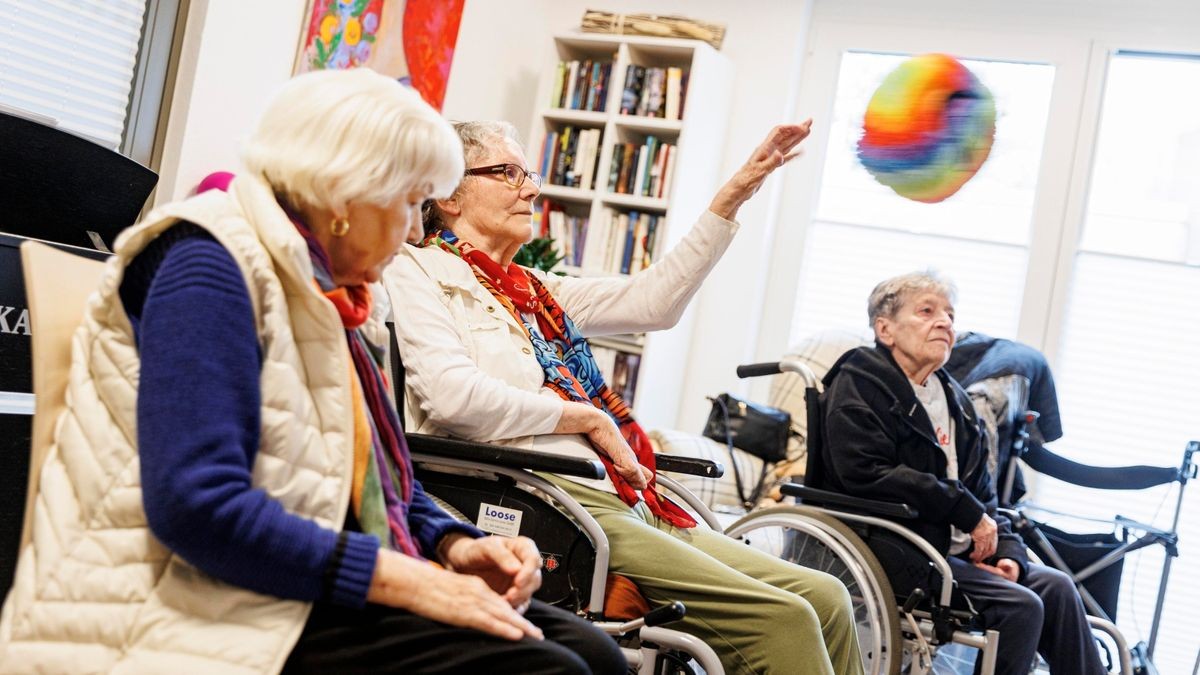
(198,434)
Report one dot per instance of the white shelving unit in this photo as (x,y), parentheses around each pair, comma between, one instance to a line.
(699,137)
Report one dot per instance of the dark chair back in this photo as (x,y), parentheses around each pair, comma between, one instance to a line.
(60,187)
(814,443)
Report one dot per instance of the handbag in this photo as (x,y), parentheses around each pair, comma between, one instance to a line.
(757,429)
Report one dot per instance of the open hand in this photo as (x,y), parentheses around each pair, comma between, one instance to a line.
(510,566)
(449,597)
(776,150)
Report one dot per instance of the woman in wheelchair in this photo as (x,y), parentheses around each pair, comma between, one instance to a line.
(899,428)
(229,488)
(496,353)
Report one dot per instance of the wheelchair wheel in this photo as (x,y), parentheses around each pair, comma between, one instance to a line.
(812,539)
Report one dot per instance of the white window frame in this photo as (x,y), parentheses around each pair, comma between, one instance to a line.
(1079,47)
(1068,55)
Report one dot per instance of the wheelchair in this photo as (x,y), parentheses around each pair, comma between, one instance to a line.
(871,547)
(911,617)
(472,480)
(477,480)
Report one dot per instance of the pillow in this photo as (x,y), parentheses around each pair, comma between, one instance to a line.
(819,352)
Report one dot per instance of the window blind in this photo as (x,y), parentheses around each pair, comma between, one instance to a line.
(72,61)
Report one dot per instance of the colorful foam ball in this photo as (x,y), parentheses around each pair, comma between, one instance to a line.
(928,128)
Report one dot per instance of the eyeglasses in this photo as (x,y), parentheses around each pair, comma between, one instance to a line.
(513,174)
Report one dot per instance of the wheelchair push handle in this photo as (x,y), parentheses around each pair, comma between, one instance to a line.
(776,367)
(758,369)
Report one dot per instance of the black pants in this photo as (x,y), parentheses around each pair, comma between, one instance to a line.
(1043,614)
(385,640)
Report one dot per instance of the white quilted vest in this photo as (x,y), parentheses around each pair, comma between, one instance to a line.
(95,591)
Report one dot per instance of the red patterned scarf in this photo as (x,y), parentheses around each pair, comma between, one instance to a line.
(567,363)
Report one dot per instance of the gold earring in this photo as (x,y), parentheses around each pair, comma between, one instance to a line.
(339,226)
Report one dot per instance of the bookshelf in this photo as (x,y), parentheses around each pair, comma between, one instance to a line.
(637,204)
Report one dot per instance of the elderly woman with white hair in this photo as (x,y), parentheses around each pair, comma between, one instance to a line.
(898,428)
(229,488)
(496,352)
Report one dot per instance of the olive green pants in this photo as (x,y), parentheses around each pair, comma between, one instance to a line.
(760,614)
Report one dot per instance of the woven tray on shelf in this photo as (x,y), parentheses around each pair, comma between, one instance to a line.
(653,24)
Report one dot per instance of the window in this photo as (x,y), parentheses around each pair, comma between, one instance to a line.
(1129,359)
(96,69)
(863,232)
(1080,236)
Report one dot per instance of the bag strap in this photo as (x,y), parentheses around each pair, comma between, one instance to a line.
(737,474)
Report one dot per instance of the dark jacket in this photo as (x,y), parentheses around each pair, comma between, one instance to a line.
(879,444)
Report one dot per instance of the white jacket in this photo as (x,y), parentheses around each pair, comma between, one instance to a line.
(94,590)
(471,371)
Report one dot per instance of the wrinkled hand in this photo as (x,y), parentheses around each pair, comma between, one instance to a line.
(1004,567)
(985,538)
(771,154)
(449,597)
(581,418)
(510,566)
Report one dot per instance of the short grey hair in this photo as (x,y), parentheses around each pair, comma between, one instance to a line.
(477,138)
(332,137)
(889,295)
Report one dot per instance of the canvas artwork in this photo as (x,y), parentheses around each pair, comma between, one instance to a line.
(411,40)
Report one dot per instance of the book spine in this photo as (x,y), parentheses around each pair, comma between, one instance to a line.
(669,174)
(674,81)
(614,168)
(639,179)
(651,230)
(572,76)
(627,248)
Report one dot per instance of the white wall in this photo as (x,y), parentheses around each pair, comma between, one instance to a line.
(499,58)
(236,53)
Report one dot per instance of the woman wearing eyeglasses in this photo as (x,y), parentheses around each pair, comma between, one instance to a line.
(495,352)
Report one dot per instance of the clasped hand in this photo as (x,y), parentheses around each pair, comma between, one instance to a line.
(487,584)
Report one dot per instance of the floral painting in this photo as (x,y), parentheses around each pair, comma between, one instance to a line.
(411,40)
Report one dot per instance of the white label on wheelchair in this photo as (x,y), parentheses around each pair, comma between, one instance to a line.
(499,520)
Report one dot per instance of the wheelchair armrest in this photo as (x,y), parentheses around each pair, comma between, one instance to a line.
(693,466)
(817,497)
(499,455)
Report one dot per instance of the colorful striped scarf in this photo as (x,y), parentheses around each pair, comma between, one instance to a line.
(383,474)
(567,363)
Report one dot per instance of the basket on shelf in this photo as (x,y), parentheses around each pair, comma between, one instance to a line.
(595,21)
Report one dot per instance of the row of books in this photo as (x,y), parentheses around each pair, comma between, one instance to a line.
(581,85)
(654,92)
(569,157)
(619,370)
(621,243)
(644,170)
(567,230)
